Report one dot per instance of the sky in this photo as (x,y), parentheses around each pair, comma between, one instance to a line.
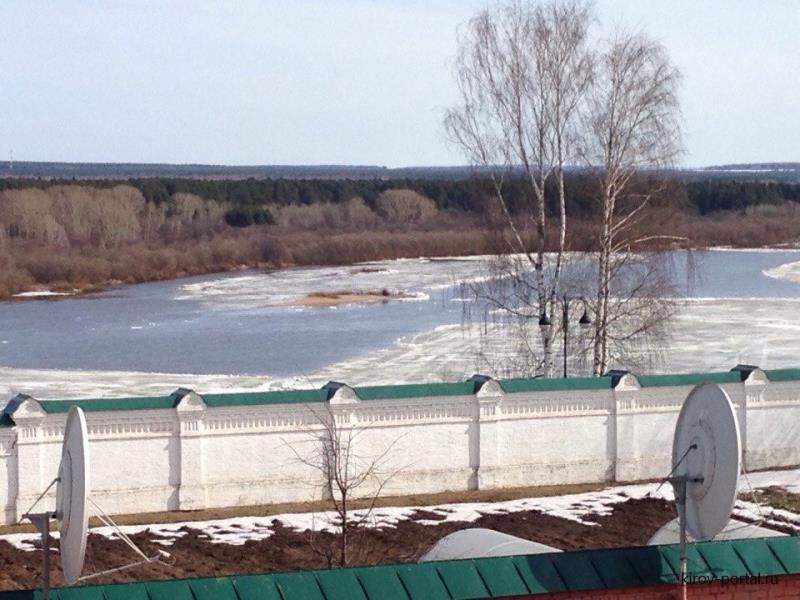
(344,81)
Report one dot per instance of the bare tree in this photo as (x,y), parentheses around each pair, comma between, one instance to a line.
(535,98)
(522,71)
(632,125)
(347,476)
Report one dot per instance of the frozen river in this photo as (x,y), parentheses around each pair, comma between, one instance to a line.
(242,330)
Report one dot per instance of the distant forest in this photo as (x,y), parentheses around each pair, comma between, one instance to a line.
(248,198)
(467,194)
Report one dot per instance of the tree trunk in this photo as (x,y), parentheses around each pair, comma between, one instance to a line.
(600,358)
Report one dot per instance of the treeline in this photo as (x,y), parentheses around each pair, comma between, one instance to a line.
(466,194)
(712,196)
(473,195)
(84,237)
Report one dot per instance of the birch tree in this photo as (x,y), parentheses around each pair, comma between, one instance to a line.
(522,72)
(632,130)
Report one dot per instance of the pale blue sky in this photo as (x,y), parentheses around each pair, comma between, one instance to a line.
(344,81)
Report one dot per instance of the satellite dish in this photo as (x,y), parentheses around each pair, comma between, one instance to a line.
(72,510)
(72,490)
(706,461)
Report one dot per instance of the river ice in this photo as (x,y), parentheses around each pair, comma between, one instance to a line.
(709,334)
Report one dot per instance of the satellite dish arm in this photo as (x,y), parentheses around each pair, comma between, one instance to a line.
(29,513)
(145,561)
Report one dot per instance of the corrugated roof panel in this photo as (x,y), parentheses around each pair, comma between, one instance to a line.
(501,577)
(539,573)
(758,557)
(218,588)
(21,595)
(340,584)
(169,589)
(79,593)
(463,580)
(122,591)
(651,565)
(255,587)
(787,550)
(422,582)
(689,378)
(381,582)
(615,569)
(415,390)
(722,559)
(695,564)
(555,384)
(299,585)
(577,571)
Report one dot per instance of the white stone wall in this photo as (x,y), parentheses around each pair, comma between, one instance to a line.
(195,456)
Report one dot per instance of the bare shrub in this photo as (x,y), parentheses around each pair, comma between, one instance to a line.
(13,279)
(274,251)
(404,207)
(299,216)
(358,214)
(352,214)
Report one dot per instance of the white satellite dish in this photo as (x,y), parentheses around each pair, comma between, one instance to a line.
(72,509)
(72,490)
(706,462)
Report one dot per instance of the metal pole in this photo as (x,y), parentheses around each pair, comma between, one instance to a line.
(42,523)
(564,327)
(46,561)
(682,495)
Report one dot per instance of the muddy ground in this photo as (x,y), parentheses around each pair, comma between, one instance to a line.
(193,555)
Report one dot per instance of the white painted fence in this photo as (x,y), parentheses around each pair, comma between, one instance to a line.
(195,456)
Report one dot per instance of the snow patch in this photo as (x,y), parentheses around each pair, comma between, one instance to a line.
(582,508)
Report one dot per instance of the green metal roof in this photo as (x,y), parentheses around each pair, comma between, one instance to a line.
(783,374)
(468,579)
(415,390)
(388,392)
(278,397)
(689,378)
(554,384)
(105,404)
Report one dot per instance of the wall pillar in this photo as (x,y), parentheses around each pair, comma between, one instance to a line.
(622,447)
(485,450)
(755,386)
(192,492)
(31,480)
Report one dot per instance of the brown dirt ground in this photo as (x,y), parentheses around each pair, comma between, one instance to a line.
(630,523)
